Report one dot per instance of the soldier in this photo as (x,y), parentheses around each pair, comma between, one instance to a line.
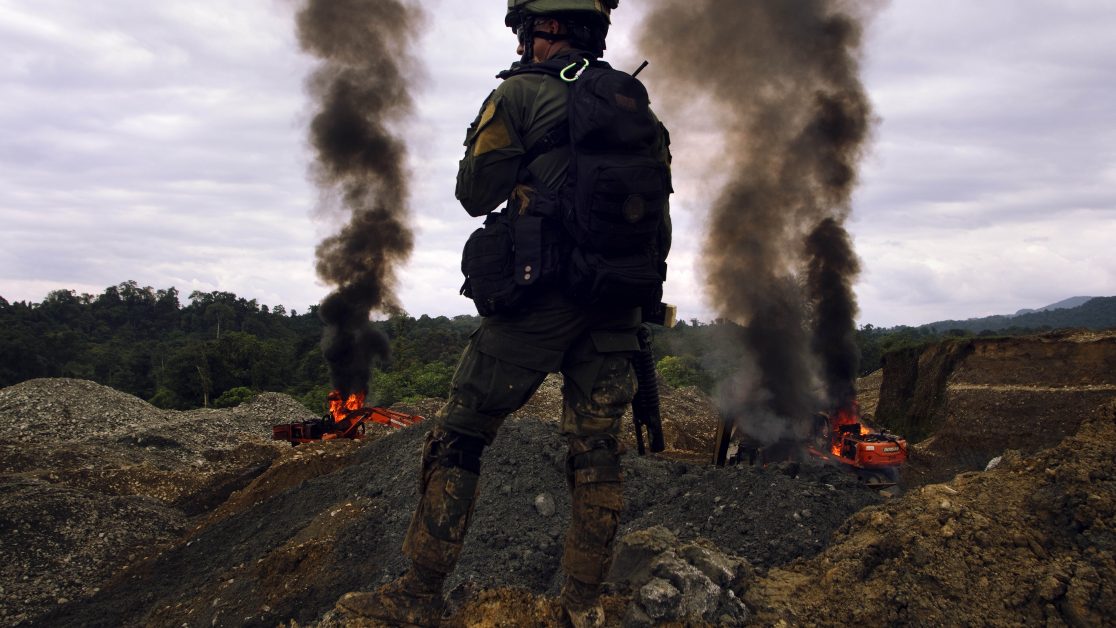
(518,151)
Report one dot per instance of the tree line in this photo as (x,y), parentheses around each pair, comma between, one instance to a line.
(219,350)
(216,350)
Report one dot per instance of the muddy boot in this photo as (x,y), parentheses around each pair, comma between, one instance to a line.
(581,607)
(448,487)
(413,599)
(593,472)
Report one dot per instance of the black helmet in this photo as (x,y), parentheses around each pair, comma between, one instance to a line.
(518,10)
(586,22)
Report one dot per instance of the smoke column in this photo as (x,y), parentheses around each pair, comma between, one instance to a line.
(783,77)
(362,88)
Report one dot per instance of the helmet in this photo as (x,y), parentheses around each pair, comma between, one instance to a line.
(518,10)
(586,21)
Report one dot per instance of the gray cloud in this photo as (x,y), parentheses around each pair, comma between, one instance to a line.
(165,142)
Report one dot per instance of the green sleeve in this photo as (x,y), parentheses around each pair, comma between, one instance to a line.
(493,151)
(516,116)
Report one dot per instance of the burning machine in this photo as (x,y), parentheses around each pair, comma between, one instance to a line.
(347,418)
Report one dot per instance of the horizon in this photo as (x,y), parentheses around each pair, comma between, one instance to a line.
(184,300)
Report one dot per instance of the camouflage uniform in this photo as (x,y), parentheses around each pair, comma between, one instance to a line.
(509,356)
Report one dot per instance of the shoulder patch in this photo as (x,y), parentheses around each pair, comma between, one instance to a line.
(493,134)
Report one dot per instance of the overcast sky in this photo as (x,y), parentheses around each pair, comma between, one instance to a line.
(165,142)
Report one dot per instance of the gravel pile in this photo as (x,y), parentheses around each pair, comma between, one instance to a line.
(92,479)
(289,554)
(55,411)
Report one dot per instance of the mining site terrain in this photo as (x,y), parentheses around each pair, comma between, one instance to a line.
(116,513)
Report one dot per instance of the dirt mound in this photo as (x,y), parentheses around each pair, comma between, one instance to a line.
(281,533)
(289,551)
(1030,542)
(95,479)
(689,417)
(60,543)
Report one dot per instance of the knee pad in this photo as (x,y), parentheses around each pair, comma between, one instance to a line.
(451,449)
(448,486)
(594,460)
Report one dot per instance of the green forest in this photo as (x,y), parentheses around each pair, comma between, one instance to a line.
(218,350)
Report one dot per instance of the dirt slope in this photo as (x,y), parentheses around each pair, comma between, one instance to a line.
(301,535)
(92,479)
(1031,542)
(966,402)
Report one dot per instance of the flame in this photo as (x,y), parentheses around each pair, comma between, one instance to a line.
(339,407)
(849,415)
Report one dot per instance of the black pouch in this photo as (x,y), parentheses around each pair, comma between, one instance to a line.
(539,250)
(629,280)
(619,202)
(488,263)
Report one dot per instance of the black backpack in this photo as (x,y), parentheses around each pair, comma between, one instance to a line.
(617,187)
(611,209)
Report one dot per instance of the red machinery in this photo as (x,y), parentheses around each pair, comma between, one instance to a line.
(839,437)
(346,419)
(875,455)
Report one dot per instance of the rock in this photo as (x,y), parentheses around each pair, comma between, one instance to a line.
(658,598)
(689,582)
(700,595)
(544,504)
(631,565)
(722,570)
(993,463)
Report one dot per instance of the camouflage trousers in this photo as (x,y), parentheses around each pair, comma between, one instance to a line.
(506,361)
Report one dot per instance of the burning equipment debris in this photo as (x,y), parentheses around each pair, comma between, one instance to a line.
(840,437)
(347,418)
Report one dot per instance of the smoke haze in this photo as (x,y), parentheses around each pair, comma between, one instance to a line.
(363,91)
(783,77)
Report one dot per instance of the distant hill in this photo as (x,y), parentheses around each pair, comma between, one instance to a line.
(1064,304)
(1092,313)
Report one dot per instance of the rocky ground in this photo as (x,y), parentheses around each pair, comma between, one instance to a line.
(117,513)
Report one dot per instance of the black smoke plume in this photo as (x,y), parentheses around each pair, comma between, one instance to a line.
(363,90)
(783,80)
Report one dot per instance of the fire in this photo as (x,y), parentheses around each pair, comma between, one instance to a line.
(347,418)
(339,407)
(849,415)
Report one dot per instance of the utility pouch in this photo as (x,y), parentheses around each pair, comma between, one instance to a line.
(593,279)
(528,250)
(538,250)
(488,263)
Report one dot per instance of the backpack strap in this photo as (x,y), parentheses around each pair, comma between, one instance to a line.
(557,137)
(568,68)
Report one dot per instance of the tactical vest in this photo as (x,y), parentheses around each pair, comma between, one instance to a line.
(608,215)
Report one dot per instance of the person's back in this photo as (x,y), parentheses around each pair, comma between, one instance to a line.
(519,150)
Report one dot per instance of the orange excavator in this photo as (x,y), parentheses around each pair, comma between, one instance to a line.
(839,437)
(874,455)
(347,418)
